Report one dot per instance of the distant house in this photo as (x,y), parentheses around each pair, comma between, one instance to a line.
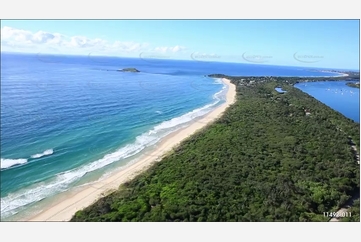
(307,111)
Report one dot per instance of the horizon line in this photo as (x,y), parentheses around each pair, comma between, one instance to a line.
(169,59)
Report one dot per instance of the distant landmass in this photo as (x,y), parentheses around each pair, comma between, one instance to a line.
(292,80)
(351,84)
(129,70)
(342,74)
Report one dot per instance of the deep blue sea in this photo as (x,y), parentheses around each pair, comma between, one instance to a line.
(69,120)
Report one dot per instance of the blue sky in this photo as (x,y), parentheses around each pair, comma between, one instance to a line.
(312,43)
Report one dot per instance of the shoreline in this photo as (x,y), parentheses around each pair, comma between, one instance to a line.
(340,74)
(66,208)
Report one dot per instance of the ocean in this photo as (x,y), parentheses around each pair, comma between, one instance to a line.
(67,121)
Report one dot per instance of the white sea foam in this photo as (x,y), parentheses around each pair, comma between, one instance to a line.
(6,163)
(47,152)
(13,203)
(218,81)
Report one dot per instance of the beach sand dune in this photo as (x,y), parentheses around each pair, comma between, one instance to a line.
(64,209)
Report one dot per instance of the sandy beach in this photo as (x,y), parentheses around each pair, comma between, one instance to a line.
(66,208)
(339,73)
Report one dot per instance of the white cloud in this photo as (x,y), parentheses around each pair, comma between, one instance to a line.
(23,39)
(165,49)
(45,41)
(20,35)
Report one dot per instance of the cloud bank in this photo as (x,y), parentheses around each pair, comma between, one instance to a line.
(13,39)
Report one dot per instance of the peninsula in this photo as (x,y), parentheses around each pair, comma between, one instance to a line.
(352,76)
(351,84)
(264,159)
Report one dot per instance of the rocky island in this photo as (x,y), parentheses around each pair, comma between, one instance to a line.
(129,70)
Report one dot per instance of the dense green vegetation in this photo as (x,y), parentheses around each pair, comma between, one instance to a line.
(351,84)
(265,159)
